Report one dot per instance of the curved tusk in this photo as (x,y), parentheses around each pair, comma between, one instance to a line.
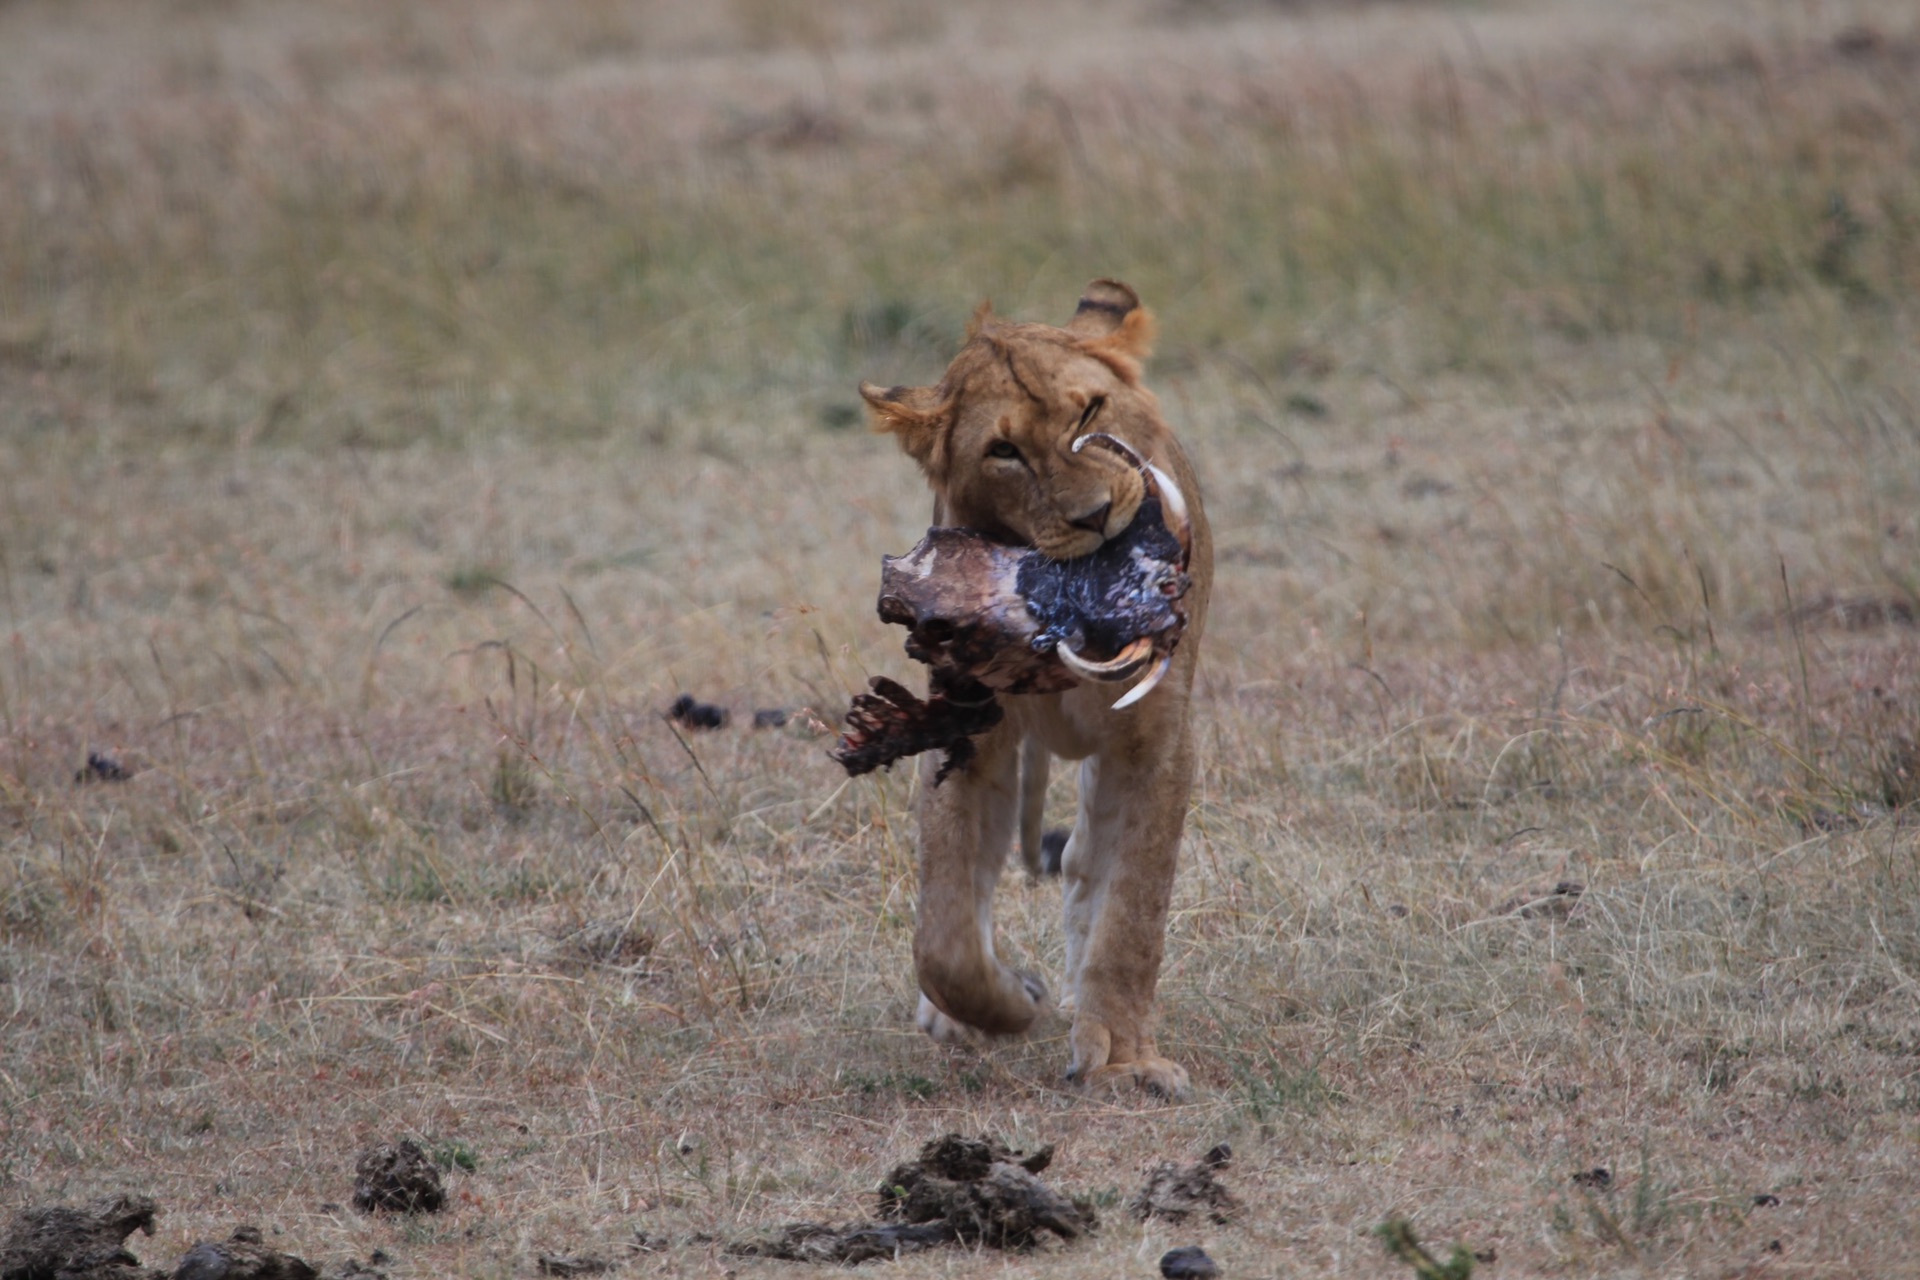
(1146,686)
(1121,667)
(1113,442)
(1174,501)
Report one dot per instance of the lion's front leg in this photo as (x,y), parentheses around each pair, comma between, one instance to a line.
(1118,882)
(966,830)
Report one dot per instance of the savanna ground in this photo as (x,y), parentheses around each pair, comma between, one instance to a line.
(399,405)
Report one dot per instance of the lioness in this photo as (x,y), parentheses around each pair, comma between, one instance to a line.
(995,439)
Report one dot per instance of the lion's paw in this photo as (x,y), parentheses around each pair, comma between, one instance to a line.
(1162,1078)
(941,1029)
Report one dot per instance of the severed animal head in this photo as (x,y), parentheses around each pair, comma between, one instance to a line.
(1019,621)
(988,619)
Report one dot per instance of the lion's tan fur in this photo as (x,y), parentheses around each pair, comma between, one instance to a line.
(994,439)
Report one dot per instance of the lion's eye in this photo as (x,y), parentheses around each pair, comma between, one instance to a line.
(1092,411)
(1003,449)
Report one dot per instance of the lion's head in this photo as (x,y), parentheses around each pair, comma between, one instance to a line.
(996,435)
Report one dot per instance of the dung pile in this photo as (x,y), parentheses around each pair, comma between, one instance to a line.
(87,1242)
(77,1242)
(966,1191)
(1176,1192)
(397,1177)
(241,1256)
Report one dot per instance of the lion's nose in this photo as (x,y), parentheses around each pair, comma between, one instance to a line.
(1094,521)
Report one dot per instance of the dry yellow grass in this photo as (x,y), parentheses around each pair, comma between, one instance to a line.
(398,409)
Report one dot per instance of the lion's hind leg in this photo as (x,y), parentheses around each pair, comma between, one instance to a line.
(1035,761)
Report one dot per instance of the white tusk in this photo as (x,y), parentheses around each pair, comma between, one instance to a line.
(1175,502)
(1115,443)
(1120,667)
(1176,505)
(1146,686)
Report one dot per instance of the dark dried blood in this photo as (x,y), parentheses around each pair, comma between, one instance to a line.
(890,722)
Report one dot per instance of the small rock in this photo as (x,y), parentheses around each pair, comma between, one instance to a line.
(1189,1263)
(770,718)
(397,1177)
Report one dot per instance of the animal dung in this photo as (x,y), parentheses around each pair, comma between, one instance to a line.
(88,1242)
(986,1193)
(690,713)
(966,1191)
(1176,1192)
(101,767)
(241,1256)
(78,1241)
(397,1178)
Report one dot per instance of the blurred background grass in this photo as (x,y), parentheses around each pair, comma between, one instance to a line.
(436,231)
(434,255)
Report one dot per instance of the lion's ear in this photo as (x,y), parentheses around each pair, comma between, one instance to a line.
(915,416)
(1110,317)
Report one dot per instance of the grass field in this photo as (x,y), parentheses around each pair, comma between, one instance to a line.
(400,405)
